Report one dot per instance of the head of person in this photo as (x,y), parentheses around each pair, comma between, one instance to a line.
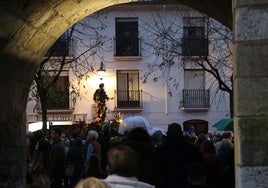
(56,133)
(208,147)
(66,142)
(92,135)
(227,135)
(201,138)
(157,137)
(174,129)
(101,85)
(92,182)
(77,142)
(193,139)
(139,134)
(122,161)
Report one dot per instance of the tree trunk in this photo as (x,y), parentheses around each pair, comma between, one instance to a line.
(43,100)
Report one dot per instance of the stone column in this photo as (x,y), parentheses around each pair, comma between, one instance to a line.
(15,81)
(251,92)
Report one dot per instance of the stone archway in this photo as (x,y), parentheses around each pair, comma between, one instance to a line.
(29,28)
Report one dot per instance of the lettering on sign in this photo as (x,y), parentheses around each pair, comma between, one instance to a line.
(58,118)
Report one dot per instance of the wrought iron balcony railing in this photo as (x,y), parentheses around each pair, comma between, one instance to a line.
(196,99)
(128,99)
(61,102)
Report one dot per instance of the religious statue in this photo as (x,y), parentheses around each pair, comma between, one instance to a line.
(100,97)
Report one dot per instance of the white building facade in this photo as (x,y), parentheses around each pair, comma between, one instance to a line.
(151,54)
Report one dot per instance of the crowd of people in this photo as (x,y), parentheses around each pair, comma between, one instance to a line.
(95,158)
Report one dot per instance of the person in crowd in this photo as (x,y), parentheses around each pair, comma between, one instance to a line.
(93,146)
(210,135)
(57,159)
(122,164)
(92,182)
(157,138)
(29,169)
(225,144)
(105,141)
(197,173)
(175,156)
(66,142)
(216,137)
(193,139)
(76,158)
(94,168)
(32,141)
(225,148)
(201,138)
(148,166)
(225,152)
(213,162)
(40,159)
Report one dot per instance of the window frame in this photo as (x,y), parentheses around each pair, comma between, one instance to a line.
(195,39)
(130,96)
(63,100)
(127,39)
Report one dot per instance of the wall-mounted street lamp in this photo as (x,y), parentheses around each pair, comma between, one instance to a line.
(101,70)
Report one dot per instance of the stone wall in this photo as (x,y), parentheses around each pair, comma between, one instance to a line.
(251,91)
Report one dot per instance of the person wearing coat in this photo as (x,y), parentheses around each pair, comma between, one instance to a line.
(57,159)
(175,156)
(76,158)
(122,164)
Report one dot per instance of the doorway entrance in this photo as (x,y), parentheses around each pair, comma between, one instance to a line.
(197,126)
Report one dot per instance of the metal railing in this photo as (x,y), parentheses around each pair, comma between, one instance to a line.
(196,99)
(128,99)
(63,101)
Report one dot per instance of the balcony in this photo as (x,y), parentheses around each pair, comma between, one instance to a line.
(194,47)
(128,101)
(196,99)
(62,103)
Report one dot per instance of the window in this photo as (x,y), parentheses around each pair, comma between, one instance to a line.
(62,47)
(194,79)
(194,42)
(58,94)
(128,93)
(127,37)
(194,93)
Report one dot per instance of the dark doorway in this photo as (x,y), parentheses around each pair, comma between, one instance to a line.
(197,126)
